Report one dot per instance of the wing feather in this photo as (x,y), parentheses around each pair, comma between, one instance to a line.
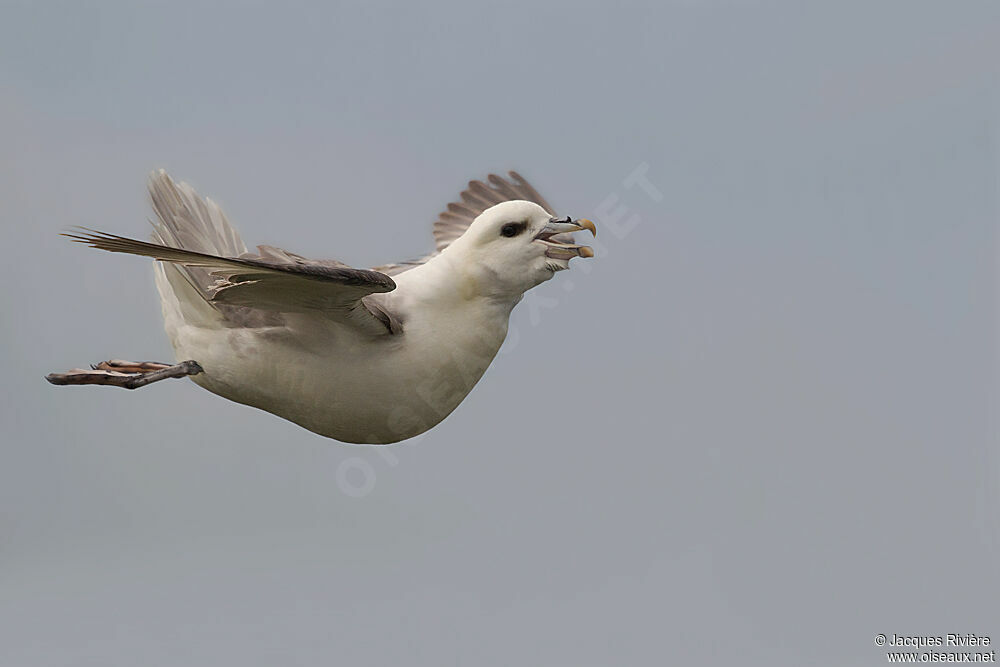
(276,280)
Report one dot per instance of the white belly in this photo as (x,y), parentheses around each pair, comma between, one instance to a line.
(358,391)
(331,379)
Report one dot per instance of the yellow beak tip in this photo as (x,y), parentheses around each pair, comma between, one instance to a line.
(588,224)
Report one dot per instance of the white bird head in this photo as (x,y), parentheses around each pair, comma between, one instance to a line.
(516,245)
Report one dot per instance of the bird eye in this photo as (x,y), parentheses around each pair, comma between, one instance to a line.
(512,229)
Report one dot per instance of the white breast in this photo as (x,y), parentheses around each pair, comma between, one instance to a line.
(334,382)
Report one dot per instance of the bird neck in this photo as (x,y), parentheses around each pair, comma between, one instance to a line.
(455,285)
(444,315)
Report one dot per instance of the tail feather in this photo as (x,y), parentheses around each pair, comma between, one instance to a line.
(186,221)
(190,222)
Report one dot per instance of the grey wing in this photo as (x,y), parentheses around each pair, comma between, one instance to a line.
(275,280)
(476,198)
(187,221)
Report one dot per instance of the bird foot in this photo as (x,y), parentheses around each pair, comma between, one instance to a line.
(127,374)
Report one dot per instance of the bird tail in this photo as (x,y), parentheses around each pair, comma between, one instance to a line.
(187,221)
(190,222)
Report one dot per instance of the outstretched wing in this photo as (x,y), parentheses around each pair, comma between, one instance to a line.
(475,199)
(275,280)
(194,234)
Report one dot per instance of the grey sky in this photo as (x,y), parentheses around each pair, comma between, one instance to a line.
(759,428)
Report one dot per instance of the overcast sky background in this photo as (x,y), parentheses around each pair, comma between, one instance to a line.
(758,428)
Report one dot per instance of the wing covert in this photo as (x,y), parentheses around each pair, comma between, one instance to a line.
(275,280)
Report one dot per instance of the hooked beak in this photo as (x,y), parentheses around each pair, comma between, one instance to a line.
(564,248)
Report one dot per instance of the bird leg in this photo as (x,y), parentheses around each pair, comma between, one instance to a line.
(123,366)
(127,374)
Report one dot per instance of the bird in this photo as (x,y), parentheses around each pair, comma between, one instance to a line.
(363,356)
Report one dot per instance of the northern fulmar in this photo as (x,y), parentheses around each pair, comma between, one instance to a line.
(360,355)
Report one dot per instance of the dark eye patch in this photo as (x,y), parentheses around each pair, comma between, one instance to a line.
(513,229)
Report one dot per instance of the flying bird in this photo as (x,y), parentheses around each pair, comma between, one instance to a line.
(360,355)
